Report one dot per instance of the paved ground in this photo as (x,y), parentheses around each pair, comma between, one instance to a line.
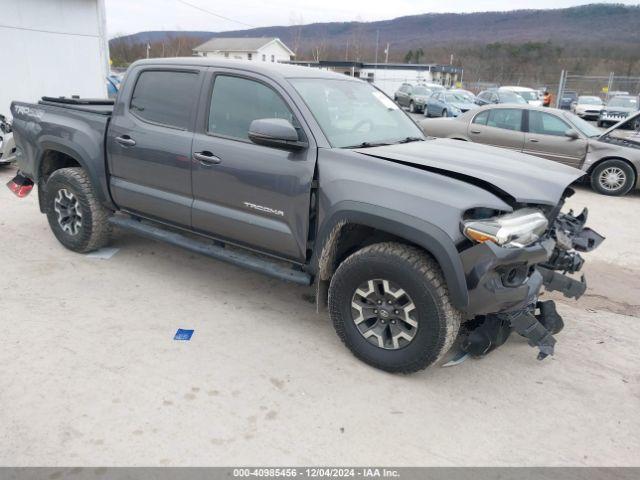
(90,375)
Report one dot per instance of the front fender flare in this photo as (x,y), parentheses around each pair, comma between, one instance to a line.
(420,232)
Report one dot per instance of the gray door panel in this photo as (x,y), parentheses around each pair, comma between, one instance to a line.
(255,196)
(152,175)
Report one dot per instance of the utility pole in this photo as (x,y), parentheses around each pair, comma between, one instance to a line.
(386,54)
(377,40)
(610,85)
(451,60)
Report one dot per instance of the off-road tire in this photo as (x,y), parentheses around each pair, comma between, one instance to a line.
(421,277)
(621,165)
(95,229)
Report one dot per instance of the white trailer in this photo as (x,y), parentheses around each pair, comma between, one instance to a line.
(52,47)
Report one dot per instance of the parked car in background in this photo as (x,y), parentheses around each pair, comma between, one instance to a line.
(567,98)
(617,109)
(7,144)
(610,159)
(587,106)
(447,104)
(488,97)
(529,94)
(413,97)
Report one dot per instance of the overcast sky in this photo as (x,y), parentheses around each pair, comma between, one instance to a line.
(131,16)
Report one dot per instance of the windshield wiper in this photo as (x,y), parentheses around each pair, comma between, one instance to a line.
(411,139)
(369,145)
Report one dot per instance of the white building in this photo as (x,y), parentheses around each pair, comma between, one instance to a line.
(52,47)
(256,49)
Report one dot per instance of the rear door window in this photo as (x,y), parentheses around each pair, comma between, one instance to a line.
(165,97)
(505,118)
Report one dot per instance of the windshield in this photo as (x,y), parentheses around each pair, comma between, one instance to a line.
(510,97)
(585,127)
(625,102)
(467,95)
(456,98)
(354,114)
(421,91)
(589,101)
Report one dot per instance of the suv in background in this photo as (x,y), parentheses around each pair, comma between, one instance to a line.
(414,97)
(568,97)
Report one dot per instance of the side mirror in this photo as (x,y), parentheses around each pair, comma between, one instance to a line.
(572,134)
(275,132)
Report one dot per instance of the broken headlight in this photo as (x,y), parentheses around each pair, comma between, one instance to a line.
(518,229)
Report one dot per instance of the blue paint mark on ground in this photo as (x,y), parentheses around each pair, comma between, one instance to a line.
(184,335)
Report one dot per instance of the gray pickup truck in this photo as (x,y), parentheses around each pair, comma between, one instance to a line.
(315,177)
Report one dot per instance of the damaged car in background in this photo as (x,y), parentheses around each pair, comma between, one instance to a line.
(610,162)
(412,242)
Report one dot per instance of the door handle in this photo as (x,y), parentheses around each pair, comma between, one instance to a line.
(206,159)
(534,140)
(475,131)
(126,141)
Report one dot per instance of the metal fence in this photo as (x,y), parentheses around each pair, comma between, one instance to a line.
(603,86)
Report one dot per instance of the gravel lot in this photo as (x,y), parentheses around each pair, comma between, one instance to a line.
(90,375)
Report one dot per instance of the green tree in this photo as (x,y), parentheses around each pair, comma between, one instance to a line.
(418,54)
(408,57)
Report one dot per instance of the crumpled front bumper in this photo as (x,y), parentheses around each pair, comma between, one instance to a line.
(504,285)
(503,279)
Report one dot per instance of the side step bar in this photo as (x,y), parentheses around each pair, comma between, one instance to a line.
(235,257)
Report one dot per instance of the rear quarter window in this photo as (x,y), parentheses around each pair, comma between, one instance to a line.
(165,97)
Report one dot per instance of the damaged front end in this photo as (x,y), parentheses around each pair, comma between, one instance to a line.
(505,279)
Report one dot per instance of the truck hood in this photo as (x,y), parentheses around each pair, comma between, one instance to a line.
(522,178)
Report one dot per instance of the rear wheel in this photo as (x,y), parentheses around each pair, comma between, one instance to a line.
(75,216)
(613,177)
(390,305)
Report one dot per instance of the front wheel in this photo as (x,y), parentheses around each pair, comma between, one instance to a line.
(75,216)
(444,113)
(412,107)
(613,177)
(390,306)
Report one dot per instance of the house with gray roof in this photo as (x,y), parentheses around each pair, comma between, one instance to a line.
(262,49)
